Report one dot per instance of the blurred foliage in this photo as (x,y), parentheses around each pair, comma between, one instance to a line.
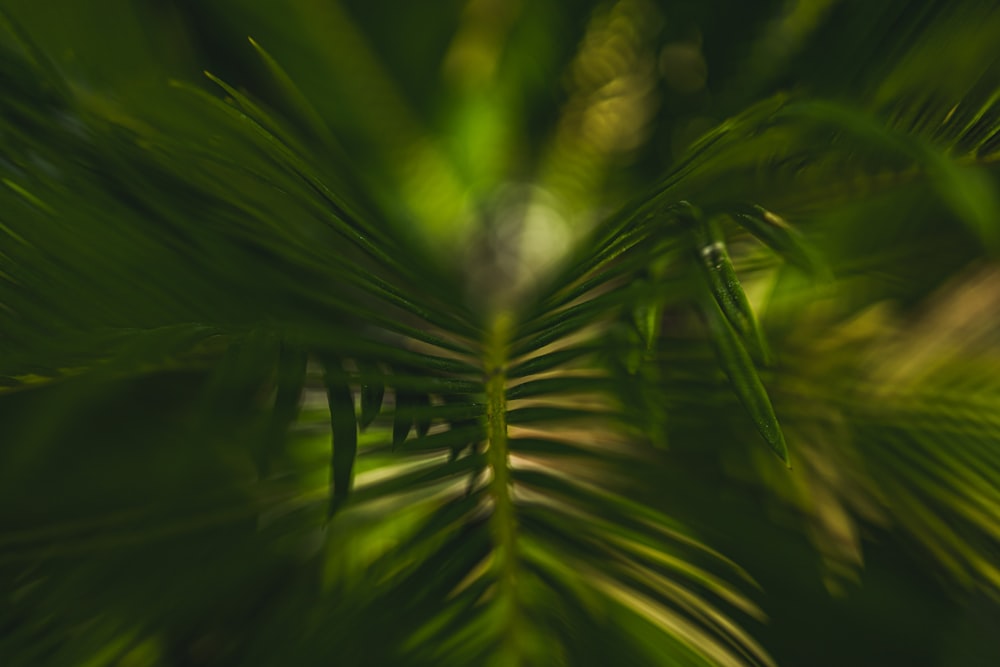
(482,333)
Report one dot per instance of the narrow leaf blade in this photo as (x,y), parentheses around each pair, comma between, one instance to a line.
(344,425)
(291,378)
(402,418)
(372,393)
(422,414)
(720,276)
(306,114)
(743,377)
(779,236)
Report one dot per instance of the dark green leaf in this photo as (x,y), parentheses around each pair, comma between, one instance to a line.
(778,235)
(343,422)
(737,365)
(422,415)
(372,392)
(402,419)
(720,276)
(291,378)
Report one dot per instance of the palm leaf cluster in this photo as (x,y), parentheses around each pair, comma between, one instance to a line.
(255,411)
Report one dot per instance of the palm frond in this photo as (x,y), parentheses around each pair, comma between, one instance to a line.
(251,395)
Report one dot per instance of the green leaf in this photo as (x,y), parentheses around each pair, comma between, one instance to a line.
(343,422)
(422,413)
(293,97)
(779,236)
(720,276)
(455,437)
(291,379)
(647,318)
(970,194)
(402,419)
(737,365)
(372,392)
(246,365)
(411,481)
(549,361)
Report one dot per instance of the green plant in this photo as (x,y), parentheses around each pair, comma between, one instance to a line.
(269,398)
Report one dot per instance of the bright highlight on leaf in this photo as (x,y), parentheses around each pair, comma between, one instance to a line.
(719,274)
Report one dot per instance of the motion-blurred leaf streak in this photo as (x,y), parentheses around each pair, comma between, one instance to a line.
(638,576)
(701,643)
(35,201)
(966,192)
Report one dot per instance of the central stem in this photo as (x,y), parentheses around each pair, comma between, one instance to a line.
(502,522)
